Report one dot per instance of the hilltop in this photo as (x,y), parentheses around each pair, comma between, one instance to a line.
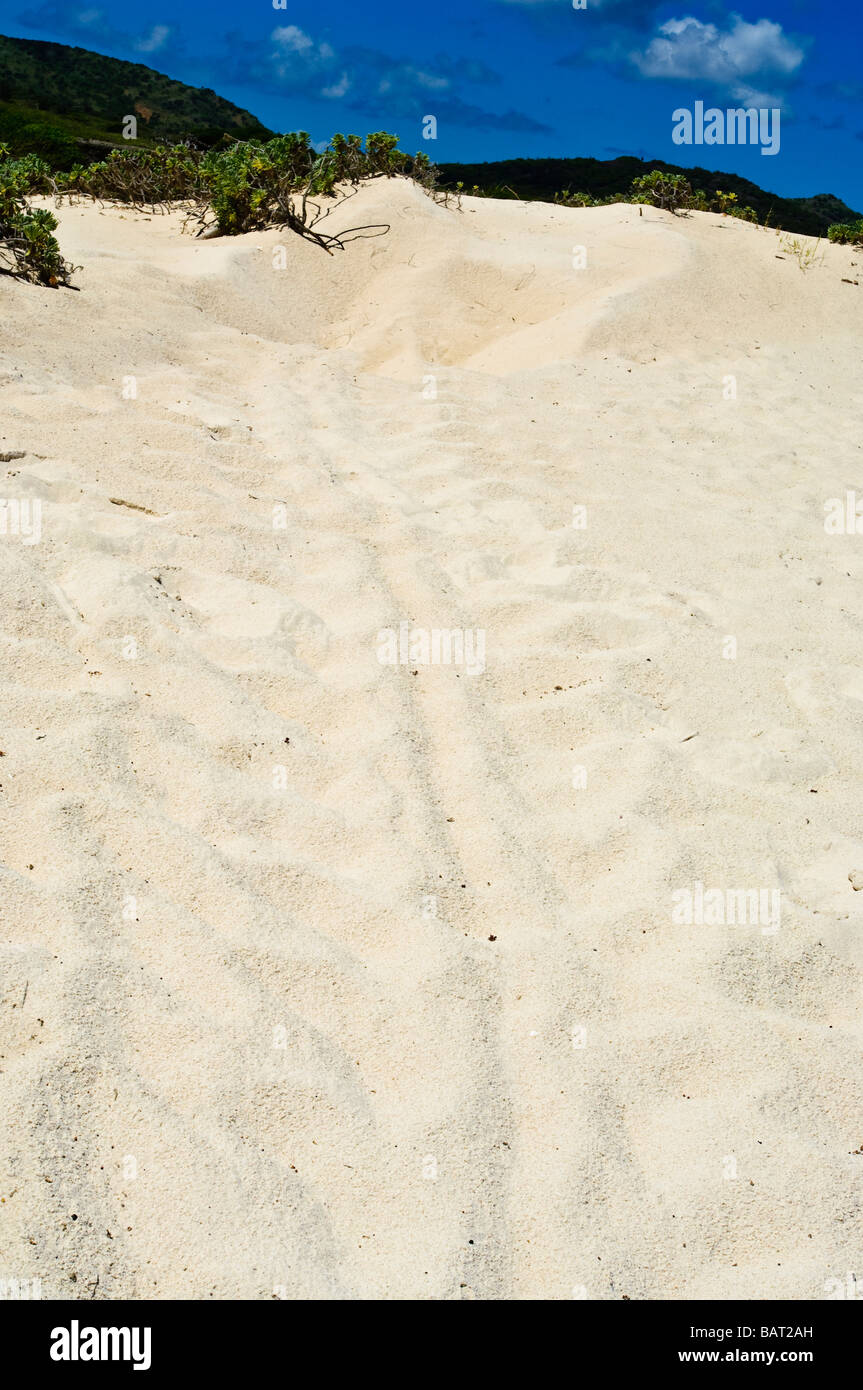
(537,180)
(56,100)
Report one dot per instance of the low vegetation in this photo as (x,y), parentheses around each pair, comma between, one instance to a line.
(246,185)
(241,186)
(660,189)
(602,181)
(806,254)
(28,246)
(847,233)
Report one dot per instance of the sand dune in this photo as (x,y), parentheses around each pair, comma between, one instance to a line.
(330,978)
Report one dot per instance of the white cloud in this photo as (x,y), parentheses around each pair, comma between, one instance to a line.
(297,57)
(403,75)
(338,89)
(430,80)
(292,39)
(686,48)
(750,96)
(156,39)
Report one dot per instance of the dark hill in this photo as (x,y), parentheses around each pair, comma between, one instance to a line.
(53,98)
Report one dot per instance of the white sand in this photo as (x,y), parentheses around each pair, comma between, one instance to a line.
(256,1035)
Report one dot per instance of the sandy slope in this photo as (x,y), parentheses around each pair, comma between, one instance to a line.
(319,1030)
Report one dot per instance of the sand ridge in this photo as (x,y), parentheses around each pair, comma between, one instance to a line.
(350,980)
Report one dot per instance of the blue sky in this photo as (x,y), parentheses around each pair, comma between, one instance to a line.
(510,77)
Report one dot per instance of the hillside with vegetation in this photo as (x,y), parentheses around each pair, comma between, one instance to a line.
(67,106)
(62,103)
(541,180)
(61,135)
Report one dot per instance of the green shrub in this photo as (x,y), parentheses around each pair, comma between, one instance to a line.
(251,185)
(247,184)
(670,191)
(674,193)
(846,232)
(727,203)
(661,190)
(30,173)
(383,155)
(144,177)
(567,199)
(27,244)
(239,183)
